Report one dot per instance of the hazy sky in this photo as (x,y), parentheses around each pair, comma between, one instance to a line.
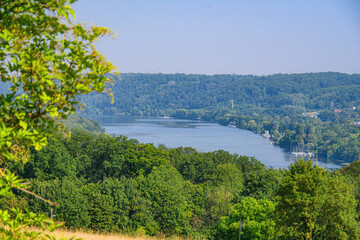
(228,36)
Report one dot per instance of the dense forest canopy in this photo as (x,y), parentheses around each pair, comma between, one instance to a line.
(153,94)
(113,184)
(314,112)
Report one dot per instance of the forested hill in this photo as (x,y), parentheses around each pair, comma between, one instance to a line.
(279,94)
(315,112)
(80,123)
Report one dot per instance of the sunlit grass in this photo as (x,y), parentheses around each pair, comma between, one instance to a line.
(96,236)
(59,233)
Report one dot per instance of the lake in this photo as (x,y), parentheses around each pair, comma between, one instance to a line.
(203,136)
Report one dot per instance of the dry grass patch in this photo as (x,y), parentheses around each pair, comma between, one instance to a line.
(98,236)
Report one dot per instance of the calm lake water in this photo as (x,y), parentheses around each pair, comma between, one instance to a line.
(203,136)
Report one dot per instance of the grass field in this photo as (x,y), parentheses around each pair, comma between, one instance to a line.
(97,236)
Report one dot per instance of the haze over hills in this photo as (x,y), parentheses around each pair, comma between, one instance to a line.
(158,94)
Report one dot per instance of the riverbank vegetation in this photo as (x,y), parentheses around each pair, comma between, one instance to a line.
(310,112)
(114,184)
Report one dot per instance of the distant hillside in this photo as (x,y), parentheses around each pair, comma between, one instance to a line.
(157,94)
(312,112)
(77,122)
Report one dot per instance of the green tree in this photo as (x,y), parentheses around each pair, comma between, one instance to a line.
(311,203)
(101,207)
(68,192)
(256,219)
(136,208)
(48,61)
(230,177)
(166,189)
(218,201)
(53,161)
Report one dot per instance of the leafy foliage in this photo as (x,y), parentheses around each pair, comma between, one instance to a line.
(46,62)
(49,61)
(312,204)
(256,220)
(146,188)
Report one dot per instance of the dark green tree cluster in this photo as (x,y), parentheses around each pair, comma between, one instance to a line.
(333,136)
(310,203)
(115,184)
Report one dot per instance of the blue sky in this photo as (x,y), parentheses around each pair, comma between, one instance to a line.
(228,36)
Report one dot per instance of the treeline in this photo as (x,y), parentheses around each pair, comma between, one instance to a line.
(337,139)
(156,94)
(275,103)
(115,184)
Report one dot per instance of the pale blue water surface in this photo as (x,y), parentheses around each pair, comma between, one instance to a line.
(203,136)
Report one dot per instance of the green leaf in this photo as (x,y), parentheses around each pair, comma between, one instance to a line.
(23,124)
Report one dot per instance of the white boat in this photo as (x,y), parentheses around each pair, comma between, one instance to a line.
(231,124)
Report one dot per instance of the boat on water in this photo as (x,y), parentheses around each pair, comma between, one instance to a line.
(302,154)
(232,124)
(299,152)
(165,117)
(266,134)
